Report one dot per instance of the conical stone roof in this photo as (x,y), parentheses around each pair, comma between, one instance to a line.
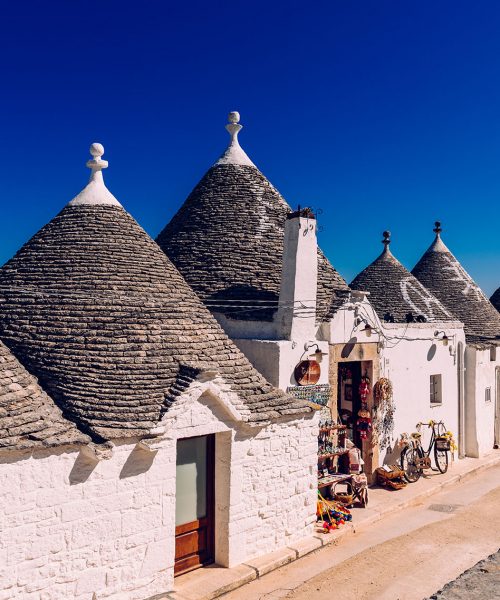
(495,299)
(445,277)
(227,240)
(98,313)
(395,293)
(28,417)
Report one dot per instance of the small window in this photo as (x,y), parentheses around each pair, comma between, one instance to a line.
(435,391)
(487,394)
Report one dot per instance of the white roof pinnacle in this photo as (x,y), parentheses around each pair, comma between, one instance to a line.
(438,244)
(95,191)
(234,155)
(386,241)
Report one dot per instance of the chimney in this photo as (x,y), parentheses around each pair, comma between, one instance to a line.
(296,316)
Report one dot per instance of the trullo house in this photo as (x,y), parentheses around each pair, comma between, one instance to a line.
(441,273)
(419,341)
(495,299)
(255,264)
(136,441)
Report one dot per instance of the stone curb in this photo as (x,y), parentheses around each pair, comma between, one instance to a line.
(238,576)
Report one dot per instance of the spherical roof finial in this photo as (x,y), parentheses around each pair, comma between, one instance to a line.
(96,149)
(234,117)
(387,238)
(437,229)
(96,163)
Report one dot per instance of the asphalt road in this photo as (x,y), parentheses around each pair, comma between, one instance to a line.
(407,556)
(480,582)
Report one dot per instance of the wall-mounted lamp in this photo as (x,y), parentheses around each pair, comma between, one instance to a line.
(444,338)
(318,355)
(368,330)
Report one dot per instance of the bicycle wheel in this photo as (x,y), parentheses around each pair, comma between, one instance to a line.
(441,458)
(409,464)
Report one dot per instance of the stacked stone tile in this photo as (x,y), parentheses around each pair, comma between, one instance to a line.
(227,241)
(94,309)
(28,417)
(495,299)
(445,277)
(395,293)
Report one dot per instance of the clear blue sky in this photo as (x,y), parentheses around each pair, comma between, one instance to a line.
(385,114)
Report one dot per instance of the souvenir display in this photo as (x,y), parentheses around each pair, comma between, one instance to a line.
(383,413)
(333,444)
(316,394)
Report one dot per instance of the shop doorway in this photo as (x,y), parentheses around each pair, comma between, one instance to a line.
(348,398)
(194,503)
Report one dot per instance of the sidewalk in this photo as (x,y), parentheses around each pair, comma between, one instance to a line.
(212,582)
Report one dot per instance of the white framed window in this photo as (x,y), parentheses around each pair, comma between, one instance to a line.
(436,394)
(487,394)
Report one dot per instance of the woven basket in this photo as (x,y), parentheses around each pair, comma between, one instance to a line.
(395,473)
(395,484)
(345,497)
(443,443)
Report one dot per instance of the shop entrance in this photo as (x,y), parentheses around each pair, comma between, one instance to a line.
(348,398)
(194,503)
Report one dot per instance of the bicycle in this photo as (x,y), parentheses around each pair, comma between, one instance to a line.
(414,459)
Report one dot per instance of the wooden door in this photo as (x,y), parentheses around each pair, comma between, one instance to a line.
(194,513)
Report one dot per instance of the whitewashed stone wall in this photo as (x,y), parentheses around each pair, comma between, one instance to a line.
(266,480)
(481,373)
(71,527)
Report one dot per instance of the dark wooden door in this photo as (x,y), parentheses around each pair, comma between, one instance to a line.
(194,518)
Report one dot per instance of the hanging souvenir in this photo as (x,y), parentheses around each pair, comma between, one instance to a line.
(383,417)
(307,372)
(364,388)
(364,423)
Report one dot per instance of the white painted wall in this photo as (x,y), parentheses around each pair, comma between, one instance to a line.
(296,316)
(409,365)
(71,527)
(480,374)
(276,360)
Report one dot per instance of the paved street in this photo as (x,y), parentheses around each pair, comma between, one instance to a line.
(407,556)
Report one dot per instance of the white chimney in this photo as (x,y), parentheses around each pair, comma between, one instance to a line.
(296,316)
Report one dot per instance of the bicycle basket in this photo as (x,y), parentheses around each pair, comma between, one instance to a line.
(443,443)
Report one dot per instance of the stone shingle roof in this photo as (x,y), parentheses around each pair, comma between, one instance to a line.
(495,299)
(445,277)
(395,291)
(227,241)
(28,417)
(98,313)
